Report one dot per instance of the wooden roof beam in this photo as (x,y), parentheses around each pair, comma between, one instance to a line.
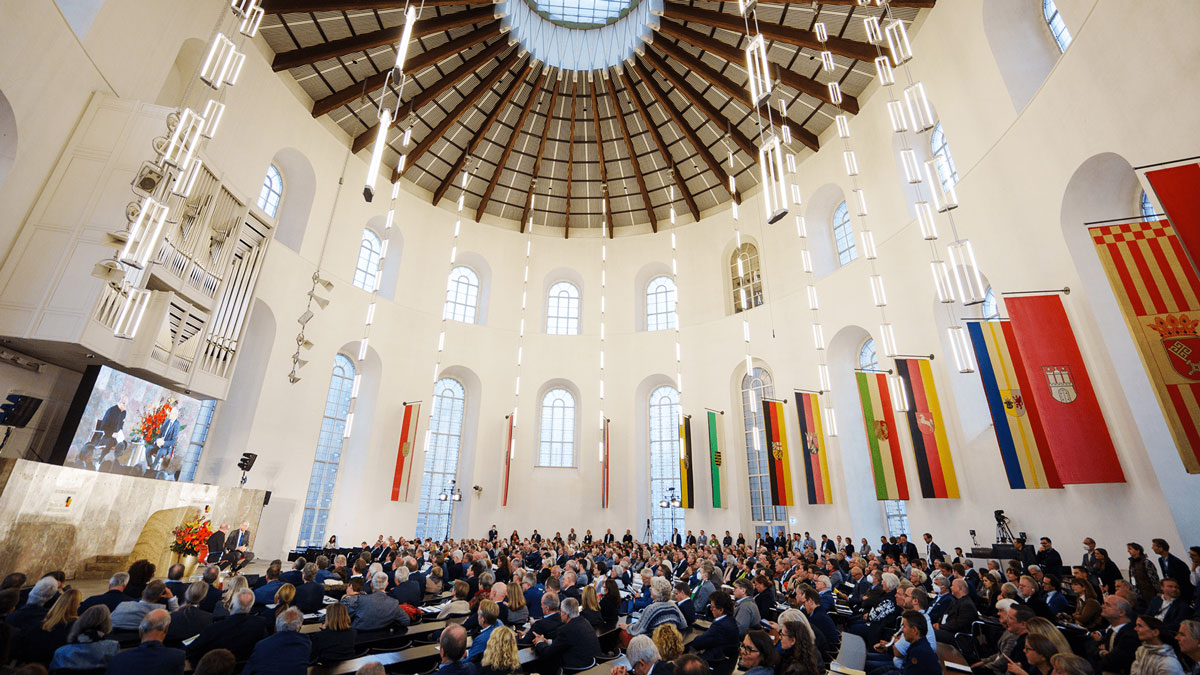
(680,83)
(571,153)
(426,96)
(387,36)
(413,66)
(482,132)
(907,4)
(305,6)
(852,49)
(662,147)
(686,130)
(534,94)
(459,110)
(600,153)
(537,163)
(637,171)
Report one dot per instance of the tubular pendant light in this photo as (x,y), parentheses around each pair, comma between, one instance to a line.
(898,392)
(887,339)
(410,18)
(964,358)
(941,281)
(143,234)
(868,243)
(831,429)
(966,271)
(385,123)
(897,116)
(920,112)
(925,218)
(878,294)
(883,68)
(912,166)
(130,317)
(758,67)
(945,196)
(774,181)
(897,39)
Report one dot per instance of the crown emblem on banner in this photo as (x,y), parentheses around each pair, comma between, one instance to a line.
(1174,326)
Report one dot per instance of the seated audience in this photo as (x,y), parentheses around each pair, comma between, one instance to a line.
(645,659)
(920,659)
(661,611)
(233,585)
(746,611)
(175,582)
(285,652)
(310,594)
(406,591)
(238,633)
(265,594)
(757,655)
(501,656)
(140,574)
(459,606)
(575,646)
(86,646)
(797,649)
(114,596)
(375,610)
(190,619)
(669,641)
(589,607)
(38,644)
(1115,647)
(335,640)
(150,656)
(518,609)
(128,615)
(719,642)
(1154,656)
(1188,639)
(452,645)
(216,662)
(211,577)
(489,617)
(284,596)
(1039,649)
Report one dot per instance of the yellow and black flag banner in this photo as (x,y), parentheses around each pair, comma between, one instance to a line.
(686,482)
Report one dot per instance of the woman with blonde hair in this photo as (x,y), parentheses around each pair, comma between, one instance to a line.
(39,645)
(669,641)
(501,657)
(589,607)
(1040,626)
(233,585)
(335,640)
(518,611)
(1070,664)
(283,600)
(434,583)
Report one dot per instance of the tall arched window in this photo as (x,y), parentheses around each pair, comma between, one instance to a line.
(441,459)
(867,358)
(562,309)
(747,279)
(664,461)
(329,452)
(1146,207)
(272,192)
(462,295)
(756,386)
(660,304)
(947,172)
(557,445)
(367,269)
(843,234)
(1058,27)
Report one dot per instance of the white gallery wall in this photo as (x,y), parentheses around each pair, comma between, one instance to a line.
(1030,177)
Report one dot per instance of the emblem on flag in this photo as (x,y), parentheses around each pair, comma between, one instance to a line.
(1014,404)
(925,422)
(406,448)
(777,449)
(810,441)
(1182,343)
(1058,378)
(881,430)
(717,458)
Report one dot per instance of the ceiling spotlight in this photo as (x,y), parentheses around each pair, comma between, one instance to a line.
(292,378)
(321,302)
(109,271)
(302,342)
(324,283)
(299,363)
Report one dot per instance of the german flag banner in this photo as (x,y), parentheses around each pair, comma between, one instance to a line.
(778,463)
(931,446)
(604,461)
(812,442)
(1069,409)
(1023,446)
(886,463)
(508,453)
(405,457)
(716,459)
(1159,294)
(687,482)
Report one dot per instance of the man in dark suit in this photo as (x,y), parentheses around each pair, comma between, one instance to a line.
(1025,553)
(827,545)
(165,444)
(1171,567)
(189,619)
(175,582)
(587,537)
(720,642)
(727,540)
(114,596)
(933,552)
(676,538)
(453,645)
(237,547)
(493,533)
(287,651)
(1115,647)
(575,646)
(1169,607)
(908,548)
(216,544)
(691,538)
(406,590)
(920,659)
(310,596)
(535,537)
(962,612)
(211,574)
(238,633)
(1049,559)
(828,637)
(265,594)
(547,626)
(150,656)
(608,537)
(295,576)
(375,610)
(683,600)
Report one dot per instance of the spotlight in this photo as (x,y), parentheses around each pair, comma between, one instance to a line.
(321,302)
(323,283)
(246,463)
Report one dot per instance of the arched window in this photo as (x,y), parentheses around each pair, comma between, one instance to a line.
(947,173)
(756,386)
(1058,27)
(843,235)
(199,435)
(441,459)
(558,429)
(562,309)
(329,453)
(462,295)
(664,462)
(272,192)
(1146,207)
(867,358)
(747,280)
(896,513)
(660,305)
(989,308)
(369,252)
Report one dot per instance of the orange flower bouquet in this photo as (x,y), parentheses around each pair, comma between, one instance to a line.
(191,537)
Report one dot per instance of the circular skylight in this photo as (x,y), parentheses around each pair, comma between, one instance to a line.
(582,13)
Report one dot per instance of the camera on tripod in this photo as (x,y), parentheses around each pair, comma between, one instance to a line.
(1004,534)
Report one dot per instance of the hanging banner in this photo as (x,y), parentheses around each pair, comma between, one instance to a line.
(880,423)
(405,457)
(812,444)
(1178,190)
(508,453)
(715,458)
(687,484)
(1067,405)
(604,466)
(1159,295)
(778,463)
(931,446)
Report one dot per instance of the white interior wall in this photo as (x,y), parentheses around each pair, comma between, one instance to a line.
(1015,168)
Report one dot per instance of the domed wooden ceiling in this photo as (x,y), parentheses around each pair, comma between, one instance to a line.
(670,115)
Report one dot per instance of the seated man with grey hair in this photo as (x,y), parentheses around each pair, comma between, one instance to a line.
(661,610)
(238,632)
(575,647)
(644,657)
(407,590)
(287,651)
(211,576)
(310,595)
(128,615)
(376,611)
(189,619)
(150,656)
(114,596)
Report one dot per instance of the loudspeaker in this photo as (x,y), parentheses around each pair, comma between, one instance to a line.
(267,498)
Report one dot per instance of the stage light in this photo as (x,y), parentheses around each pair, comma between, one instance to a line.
(385,123)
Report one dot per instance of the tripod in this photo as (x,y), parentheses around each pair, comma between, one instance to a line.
(649,533)
(1003,531)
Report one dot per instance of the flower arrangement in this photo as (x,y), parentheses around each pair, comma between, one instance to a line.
(191,536)
(151,424)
